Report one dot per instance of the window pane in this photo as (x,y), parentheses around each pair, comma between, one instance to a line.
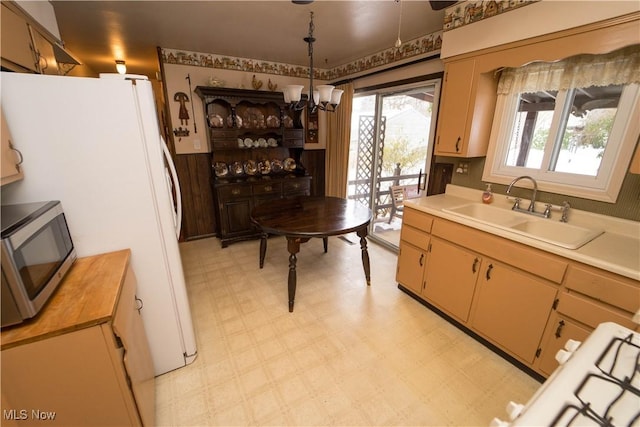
(586,130)
(531,129)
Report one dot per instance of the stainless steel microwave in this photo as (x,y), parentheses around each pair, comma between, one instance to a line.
(37,251)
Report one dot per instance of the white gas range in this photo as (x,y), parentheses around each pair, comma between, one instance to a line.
(597,384)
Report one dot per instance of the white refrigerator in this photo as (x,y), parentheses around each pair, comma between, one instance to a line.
(95,145)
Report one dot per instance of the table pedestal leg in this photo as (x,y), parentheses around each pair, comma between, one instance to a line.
(293,246)
(263,248)
(362,233)
(325,242)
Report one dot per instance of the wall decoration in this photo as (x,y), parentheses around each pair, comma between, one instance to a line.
(412,49)
(469,12)
(255,83)
(183,113)
(311,128)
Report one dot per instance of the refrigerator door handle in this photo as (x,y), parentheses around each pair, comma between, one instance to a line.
(176,185)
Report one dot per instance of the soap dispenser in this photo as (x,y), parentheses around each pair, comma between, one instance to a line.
(487,195)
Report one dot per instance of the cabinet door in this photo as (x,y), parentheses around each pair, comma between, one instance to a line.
(451,278)
(16,40)
(560,331)
(410,268)
(512,308)
(47,63)
(11,170)
(128,326)
(454,109)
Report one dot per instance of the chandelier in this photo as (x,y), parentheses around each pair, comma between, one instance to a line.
(325,97)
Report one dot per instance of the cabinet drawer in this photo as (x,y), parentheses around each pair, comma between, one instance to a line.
(417,219)
(606,287)
(267,188)
(589,312)
(415,237)
(297,186)
(234,192)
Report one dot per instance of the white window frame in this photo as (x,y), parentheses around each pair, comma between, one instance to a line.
(605,187)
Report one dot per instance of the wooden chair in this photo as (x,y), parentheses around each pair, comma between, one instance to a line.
(398,195)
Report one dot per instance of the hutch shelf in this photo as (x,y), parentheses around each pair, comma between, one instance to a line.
(256,146)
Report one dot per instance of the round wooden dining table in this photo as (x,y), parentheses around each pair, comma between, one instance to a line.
(301,218)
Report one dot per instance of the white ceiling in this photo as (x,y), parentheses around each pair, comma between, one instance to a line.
(99,32)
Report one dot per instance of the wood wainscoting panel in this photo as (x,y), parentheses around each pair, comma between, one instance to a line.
(198,213)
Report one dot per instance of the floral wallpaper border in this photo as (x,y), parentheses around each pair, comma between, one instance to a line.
(423,45)
(468,12)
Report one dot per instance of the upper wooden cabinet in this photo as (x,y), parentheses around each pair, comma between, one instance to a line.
(9,156)
(466,110)
(45,57)
(16,43)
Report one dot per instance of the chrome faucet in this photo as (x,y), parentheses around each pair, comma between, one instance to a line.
(516,206)
(532,204)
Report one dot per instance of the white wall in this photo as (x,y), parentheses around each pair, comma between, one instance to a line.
(544,17)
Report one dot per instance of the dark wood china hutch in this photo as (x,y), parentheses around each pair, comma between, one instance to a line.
(256,147)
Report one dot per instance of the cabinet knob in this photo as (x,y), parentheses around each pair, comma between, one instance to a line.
(559,329)
(458,144)
(235,191)
(268,188)
(139,304)
(421,259)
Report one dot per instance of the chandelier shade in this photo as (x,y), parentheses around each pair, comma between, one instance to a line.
(321,97)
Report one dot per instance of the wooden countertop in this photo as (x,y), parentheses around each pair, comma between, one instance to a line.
(87,296)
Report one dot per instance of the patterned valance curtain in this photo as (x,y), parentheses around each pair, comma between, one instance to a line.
(616,68)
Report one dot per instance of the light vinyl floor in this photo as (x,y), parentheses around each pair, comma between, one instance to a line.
(349,355)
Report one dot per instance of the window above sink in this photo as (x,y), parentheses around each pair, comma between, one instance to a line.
(571,124)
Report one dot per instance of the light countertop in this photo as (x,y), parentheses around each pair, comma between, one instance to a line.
(616,250)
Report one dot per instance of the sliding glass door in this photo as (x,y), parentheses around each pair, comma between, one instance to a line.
(392,132)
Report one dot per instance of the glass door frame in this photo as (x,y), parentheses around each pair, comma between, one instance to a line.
(380,94)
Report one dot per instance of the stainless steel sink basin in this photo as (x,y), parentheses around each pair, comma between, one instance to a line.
(547,230)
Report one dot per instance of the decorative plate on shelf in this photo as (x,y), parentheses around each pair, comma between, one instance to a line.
(220,169)
(236,169)
(276,166)
(250,167)
(288,122)
(248,142)
(289,164)
(273,122)
(271,142)
(215,121)
(264,166)
(240,142)
(262,142)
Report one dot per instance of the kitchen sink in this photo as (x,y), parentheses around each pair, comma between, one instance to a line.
(547,230)
(489,215)
(557,233)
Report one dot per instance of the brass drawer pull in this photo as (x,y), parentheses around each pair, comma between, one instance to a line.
(235,191)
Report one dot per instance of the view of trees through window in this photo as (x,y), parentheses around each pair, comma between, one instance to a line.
(583,128)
